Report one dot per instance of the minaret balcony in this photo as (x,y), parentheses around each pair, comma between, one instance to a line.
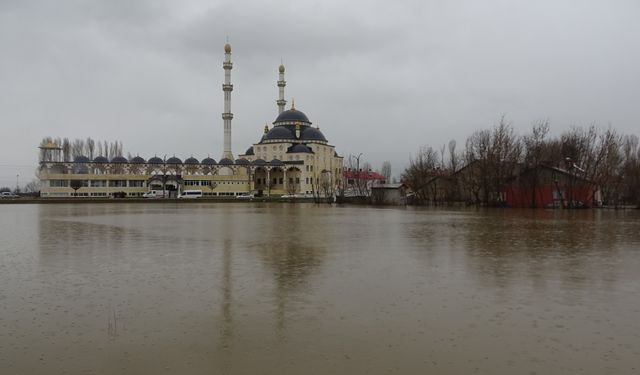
(227,65)
(227,87)
(227,116)
(281,102)
(282,83)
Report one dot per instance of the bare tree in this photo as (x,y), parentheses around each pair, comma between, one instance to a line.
(358,178)
(419,174)
(504,154)
(475,177)
(77,148)
(534,156)
(293,188)
(386,171)
(91,147)
(454,158)
(75,185)
(327,186)
(32,187)
(66,150)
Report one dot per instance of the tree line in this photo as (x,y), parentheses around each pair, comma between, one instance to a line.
(608,160)
(72,148)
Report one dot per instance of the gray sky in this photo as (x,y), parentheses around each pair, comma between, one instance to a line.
(379,77)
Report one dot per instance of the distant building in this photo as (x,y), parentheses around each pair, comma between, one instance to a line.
(291,157)
(550,187)
(389,194)
(359,183)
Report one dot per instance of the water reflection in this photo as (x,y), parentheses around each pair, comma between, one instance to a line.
(286,289)
(504,247)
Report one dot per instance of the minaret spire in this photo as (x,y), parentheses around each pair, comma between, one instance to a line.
(227,87)
(281,84)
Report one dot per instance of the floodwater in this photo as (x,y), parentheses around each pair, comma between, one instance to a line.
(243,288)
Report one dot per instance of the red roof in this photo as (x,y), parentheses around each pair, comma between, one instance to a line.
(363,175)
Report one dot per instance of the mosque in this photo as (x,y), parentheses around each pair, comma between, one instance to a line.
(291,157)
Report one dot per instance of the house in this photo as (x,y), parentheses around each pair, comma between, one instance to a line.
(389,194)
(359,183)
(547,186)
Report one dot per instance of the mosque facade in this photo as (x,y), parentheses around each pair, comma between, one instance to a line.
(292,157)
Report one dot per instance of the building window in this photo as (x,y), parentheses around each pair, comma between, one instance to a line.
(281,180)
(118,183)
(136,183)
(99,183)
(59,183)
(297,180)
(291,180)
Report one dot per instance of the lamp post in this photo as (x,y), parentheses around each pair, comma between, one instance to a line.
(164,176)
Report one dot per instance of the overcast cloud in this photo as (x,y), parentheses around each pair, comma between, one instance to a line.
(379,77)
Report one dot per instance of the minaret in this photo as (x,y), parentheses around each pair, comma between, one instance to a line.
(281,84)
(227,87)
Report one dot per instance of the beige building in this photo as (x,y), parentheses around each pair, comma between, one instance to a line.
(291,157)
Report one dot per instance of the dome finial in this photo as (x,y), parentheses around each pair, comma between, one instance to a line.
(266,128)
(293,104)
(227,46)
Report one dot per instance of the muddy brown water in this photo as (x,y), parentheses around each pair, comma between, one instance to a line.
(302,289)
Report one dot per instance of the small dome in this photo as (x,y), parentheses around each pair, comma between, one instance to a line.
(191,161)
(137,160)
(312,134)
(119,159)
(227,48)
(276,162)
(292,115)
(259,162)
(208,161)
(100,159)
(249,151)
(281,68)
(155,160)
(299,148)
(174,160)
(279,132)
(81,159)
(225,161)
(242,162)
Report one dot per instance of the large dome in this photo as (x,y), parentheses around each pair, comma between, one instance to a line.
(292,115)
(288,132)
(312,134)
(279,132)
